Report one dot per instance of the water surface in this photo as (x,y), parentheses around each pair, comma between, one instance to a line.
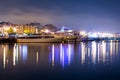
(84,60)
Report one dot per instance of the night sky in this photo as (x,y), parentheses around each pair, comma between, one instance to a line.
(90,15)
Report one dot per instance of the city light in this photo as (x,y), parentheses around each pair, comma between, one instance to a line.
(83,32)
(46,31)
(14,29)
(92,35)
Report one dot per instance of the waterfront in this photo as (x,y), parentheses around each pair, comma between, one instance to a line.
(58,61)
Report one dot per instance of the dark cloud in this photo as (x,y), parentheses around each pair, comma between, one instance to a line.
(99,15)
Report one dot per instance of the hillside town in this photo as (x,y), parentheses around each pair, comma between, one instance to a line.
(7,28)
(35,29)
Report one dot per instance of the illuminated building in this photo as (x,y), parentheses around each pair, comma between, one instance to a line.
(21,29)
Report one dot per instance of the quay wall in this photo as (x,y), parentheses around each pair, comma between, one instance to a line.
(65,40)
(7,40)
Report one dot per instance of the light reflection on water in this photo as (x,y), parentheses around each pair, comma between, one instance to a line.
(59,55)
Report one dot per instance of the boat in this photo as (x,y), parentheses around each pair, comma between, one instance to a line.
(39,39)
(69,38)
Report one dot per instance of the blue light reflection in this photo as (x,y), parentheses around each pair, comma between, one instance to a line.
(23,52)
(63,55)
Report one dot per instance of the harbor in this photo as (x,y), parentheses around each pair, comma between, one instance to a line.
(59,39)
(52,39)
(36,33)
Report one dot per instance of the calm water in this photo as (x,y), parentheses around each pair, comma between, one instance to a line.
(85,60)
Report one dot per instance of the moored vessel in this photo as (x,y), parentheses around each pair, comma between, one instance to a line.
(39,39)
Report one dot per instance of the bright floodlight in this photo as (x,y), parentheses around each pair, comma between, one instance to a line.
(70,30)
(47,31)
(83,33)
(93,35)
(14,29)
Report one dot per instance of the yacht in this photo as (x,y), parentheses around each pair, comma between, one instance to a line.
(39,39)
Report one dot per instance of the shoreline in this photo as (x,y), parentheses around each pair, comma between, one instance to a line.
(14,40)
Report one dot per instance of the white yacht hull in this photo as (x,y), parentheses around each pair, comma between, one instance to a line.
(40,40)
